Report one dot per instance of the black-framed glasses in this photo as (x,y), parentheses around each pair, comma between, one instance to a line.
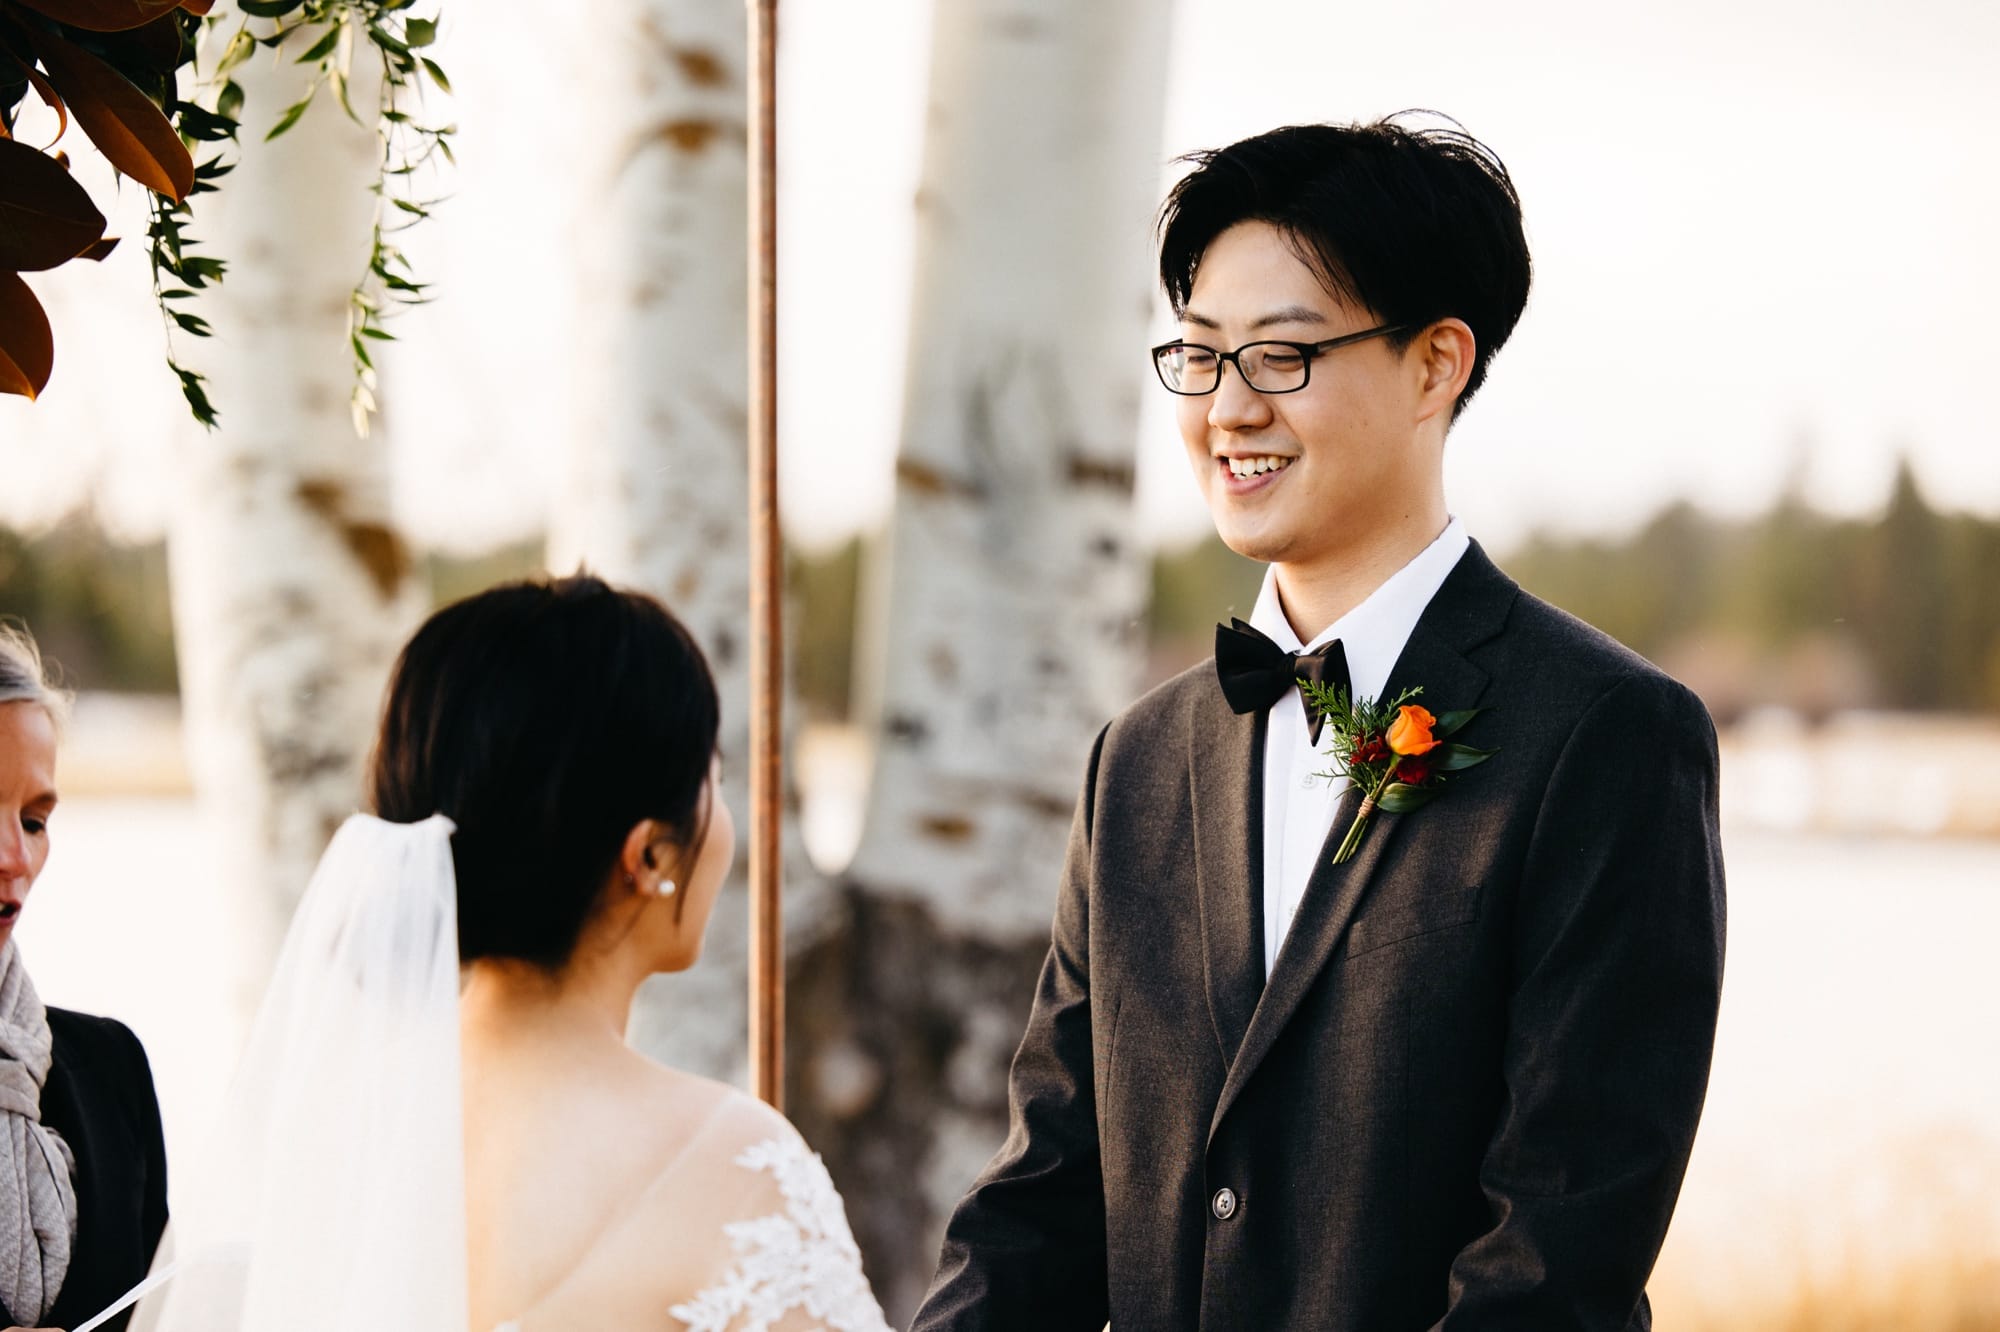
(1190,369)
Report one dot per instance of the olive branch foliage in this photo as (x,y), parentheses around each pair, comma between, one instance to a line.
(328,30)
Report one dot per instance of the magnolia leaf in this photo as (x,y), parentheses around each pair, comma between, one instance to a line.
(100,250)
(1457,758)
(159,47)
(50,98)
(199,8)
(127,128)
(27,346)
(269,8)
(107,15)
(1401,798)
(45,217)
(1449,723)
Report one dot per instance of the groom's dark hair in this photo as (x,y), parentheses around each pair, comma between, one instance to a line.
(546,719)
(1413,224)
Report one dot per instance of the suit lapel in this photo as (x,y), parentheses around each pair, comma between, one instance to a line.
(1226,776)
(1468,610)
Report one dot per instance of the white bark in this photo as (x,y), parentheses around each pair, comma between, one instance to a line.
(1013,590)
(657,494)
(292,589)
(1006,604)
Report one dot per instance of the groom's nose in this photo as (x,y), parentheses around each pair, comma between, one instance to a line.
(1235,406)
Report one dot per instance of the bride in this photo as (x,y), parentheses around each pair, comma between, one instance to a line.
(398,1153)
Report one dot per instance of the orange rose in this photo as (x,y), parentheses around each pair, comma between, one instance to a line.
(1410,733)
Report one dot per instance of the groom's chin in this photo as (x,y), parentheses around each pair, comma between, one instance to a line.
(1253,541)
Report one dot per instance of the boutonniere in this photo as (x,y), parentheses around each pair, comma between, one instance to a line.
(1396,753)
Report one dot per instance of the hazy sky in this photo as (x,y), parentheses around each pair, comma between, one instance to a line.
(1762,238)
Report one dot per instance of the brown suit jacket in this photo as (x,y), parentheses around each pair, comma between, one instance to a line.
(1466,1096)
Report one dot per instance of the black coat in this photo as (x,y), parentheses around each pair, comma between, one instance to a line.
(1465,1097)
(99,1096)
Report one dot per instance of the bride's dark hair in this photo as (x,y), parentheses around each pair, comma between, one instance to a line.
(545,719)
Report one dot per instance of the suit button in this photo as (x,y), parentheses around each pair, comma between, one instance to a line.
(1224,1204)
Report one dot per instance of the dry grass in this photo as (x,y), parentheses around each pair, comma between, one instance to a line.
(1947,1296)
(1907,1242)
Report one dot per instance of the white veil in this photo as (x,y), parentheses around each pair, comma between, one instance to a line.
(333,1197)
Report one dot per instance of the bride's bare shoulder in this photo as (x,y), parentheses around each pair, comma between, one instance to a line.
(721,1119)
(671,1245)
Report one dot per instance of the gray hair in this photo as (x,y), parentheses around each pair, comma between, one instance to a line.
(24,678)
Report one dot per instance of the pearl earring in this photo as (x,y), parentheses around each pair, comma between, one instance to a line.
(666,888)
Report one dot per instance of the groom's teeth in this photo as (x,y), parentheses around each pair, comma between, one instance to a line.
(1256,466)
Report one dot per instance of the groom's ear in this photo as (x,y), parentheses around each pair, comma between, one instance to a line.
(1441,357)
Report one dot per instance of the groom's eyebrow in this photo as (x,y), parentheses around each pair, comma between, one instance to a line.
(1291,314)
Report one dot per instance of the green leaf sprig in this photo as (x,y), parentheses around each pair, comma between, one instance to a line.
(1370,741)
(410,144)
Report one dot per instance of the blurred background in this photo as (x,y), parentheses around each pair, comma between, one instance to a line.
(1743,426)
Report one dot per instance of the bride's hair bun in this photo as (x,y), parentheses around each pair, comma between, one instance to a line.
(546,719)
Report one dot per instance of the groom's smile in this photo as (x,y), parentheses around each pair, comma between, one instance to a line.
(1300,474)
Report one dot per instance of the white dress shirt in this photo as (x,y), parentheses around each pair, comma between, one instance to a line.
(1299,806)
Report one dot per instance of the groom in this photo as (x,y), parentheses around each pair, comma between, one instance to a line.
(1451,1083)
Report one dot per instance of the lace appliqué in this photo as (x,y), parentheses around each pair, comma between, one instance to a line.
(802,1259)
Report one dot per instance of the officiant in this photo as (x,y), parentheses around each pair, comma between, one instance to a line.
(83,1171)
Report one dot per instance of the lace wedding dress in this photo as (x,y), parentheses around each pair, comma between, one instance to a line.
(793,1268)
(334,1195)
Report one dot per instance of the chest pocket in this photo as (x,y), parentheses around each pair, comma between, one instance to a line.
(1439,909)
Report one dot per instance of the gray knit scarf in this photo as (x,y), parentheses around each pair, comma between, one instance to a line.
(37,1171)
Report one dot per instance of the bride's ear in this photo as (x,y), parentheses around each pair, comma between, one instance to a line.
(647,861)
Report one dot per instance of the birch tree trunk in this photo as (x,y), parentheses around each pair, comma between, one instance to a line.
(1010,605)
(657,494)
(292,589)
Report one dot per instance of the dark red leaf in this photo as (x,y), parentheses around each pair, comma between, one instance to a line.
(27,346)
(45,217)
(104,15)
(122,121)
(100,251)
(55,103)
(158,46)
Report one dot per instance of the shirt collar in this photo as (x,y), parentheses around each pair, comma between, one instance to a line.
(1373,633)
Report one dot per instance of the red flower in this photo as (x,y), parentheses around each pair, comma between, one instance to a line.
(1371,750)
(1418,770)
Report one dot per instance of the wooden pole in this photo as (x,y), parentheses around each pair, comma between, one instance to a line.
(767,938)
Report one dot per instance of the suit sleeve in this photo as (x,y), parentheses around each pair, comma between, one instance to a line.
(1026,1247)
(1617,973)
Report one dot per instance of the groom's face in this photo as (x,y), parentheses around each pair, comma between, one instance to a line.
(1337,455)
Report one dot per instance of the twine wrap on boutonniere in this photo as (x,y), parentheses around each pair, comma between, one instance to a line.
(1396,753)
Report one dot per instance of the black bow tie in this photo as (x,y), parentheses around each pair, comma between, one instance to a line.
(1255,672)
